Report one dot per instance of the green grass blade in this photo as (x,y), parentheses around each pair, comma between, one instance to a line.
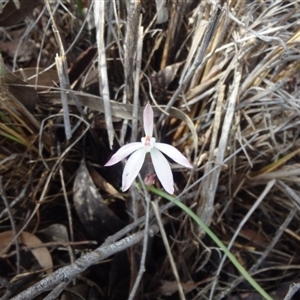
(232,258)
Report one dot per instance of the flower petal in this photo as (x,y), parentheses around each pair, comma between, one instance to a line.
(132,168)
(173,153)
(148,120)
(163,170)
(123,152)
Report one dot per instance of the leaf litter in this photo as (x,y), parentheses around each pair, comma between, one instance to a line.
(223,80)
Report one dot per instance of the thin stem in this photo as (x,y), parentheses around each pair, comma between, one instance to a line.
(145,246)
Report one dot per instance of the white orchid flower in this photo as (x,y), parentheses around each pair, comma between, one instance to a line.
(139,151)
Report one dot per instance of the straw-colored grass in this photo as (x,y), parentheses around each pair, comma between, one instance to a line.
(223,79)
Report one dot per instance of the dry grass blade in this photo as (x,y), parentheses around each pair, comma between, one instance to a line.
(223,79)
(168,249)
(238,230)
(206,203)
(136,110)
(294,288)
(131,40)
(99,15)
(60,63)
(199,58)
(120,110)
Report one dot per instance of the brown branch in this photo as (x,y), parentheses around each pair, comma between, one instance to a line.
(68,273)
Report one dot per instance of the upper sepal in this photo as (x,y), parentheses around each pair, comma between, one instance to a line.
(148,120)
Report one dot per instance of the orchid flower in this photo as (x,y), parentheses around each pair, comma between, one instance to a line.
(139,151)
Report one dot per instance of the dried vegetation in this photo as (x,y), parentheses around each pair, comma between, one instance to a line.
(224,81)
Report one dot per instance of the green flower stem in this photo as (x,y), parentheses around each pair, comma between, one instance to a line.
(240,268)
